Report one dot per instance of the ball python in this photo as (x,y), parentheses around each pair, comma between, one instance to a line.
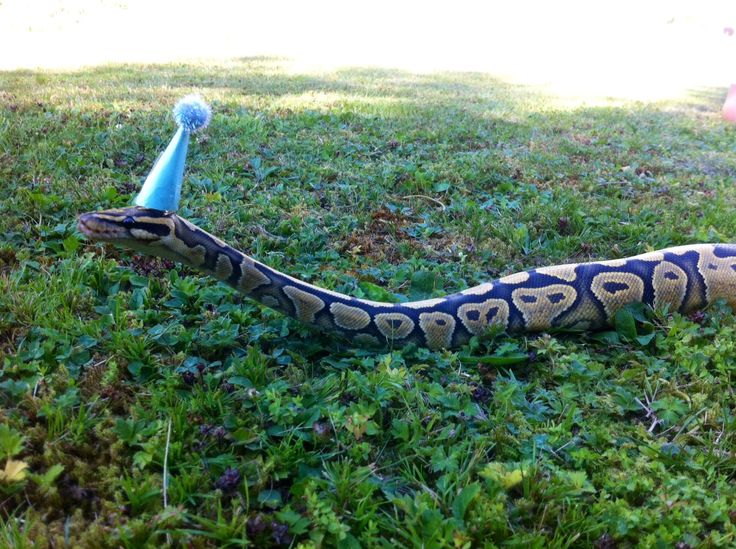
(575,296)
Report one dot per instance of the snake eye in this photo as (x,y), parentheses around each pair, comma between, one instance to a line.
(128,221)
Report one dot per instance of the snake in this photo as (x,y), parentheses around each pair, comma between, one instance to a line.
(575,296)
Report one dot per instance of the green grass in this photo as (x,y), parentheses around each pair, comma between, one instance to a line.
(356,179)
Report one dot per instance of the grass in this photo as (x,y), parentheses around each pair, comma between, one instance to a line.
(372,182)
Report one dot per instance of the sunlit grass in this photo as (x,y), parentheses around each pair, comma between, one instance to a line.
(628,50)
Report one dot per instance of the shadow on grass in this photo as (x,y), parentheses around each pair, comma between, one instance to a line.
(444,135)
(250,76)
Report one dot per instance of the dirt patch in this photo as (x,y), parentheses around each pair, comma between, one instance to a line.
(386,239)
(448,247)
(382,239)
(8,260)
(150,266)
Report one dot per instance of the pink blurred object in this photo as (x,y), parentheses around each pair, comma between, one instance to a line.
(728,31)
(729,106)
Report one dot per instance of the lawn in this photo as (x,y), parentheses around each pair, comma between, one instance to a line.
(155,407)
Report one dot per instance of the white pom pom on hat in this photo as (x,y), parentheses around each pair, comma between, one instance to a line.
(192,113)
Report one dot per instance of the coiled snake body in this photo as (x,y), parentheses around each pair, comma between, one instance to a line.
(575,296)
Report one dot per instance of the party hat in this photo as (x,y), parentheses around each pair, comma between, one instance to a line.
(162,188)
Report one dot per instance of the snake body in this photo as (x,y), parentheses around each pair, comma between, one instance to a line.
(583,296)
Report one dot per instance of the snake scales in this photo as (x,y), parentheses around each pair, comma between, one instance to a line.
(576,296)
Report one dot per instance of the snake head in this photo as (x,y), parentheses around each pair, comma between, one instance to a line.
(152,232)
(138,228)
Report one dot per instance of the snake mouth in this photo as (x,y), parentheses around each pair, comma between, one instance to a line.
(96,229)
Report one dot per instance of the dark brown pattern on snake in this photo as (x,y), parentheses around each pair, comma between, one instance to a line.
(582,295)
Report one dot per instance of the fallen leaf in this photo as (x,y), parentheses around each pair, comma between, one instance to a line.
(14,471)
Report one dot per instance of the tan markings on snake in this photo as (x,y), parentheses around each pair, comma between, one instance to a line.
(438,329)
(376,303)
(158,220)
(195,229)
(350,318)
(423,304)
(682,250)
(615,290)
(612,262)
(476,317)
(394,325)
(223,267)
(697,297)
(251,278)
(540,306)
(366,339)
(479,290)
(140,234)
(584,315)
(670,285)
(516,278)
(563,272)
(195,254)
(306,305)
(650,256)
(270,301)
(718,273)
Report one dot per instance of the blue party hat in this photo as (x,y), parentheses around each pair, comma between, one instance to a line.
(162,188)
